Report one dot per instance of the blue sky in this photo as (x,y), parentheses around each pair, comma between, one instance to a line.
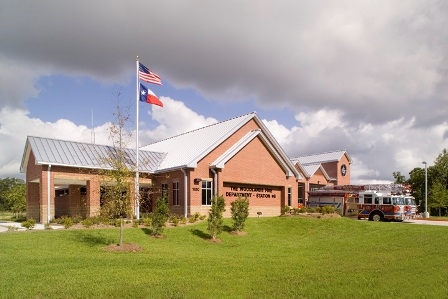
(368,77)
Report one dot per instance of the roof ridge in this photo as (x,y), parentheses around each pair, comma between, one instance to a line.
(201,128)
(322,153)
(65,140)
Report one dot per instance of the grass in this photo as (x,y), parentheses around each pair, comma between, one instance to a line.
(280,257)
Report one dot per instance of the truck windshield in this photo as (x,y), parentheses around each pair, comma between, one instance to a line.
(409,201)
(398,201)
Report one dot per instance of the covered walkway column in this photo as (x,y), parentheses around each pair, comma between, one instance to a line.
(46,195)
(93,196)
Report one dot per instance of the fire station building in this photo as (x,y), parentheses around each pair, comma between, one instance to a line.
(235,158)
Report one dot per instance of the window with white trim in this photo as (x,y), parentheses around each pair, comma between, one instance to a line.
(175,193)
(206,193)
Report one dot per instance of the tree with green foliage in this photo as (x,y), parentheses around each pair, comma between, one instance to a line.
(240,211)
(12,194)
(215,218)
(399,178)
(437,181)
(160,216)
(417,181)
(439,197)
(16,198)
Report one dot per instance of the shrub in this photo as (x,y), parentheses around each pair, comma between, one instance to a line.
(215,216)
(88,222)
(147,221)
(175,221)
(68,222)
(160,216)
(240,211)
(191,219)
(47,226)
(327,210)
(29,224)
(285,210)
(311,210)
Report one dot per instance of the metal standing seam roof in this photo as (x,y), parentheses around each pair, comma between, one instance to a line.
(312,168)
(84,155)
(321,158)
(186,149)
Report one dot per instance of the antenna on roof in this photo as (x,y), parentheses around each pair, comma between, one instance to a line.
(92,134)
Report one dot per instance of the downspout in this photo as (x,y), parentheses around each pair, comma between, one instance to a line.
(215,182)
(48,193)
(185,191)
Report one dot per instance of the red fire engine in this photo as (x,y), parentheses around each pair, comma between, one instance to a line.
(375,202)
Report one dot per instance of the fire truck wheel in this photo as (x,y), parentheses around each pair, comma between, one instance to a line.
(376,216)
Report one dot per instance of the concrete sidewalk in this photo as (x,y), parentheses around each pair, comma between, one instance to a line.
(16,226)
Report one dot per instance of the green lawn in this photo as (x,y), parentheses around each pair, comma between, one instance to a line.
(278,258)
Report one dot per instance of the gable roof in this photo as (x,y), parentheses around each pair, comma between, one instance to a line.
(312,168)
(186,150)
(233,150)
(332,156)
(84,155)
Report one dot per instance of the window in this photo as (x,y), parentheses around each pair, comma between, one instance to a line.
(175,193)
(368,198)
(206,193)
(289,196)
(377,200)
(386,201)
(165,191)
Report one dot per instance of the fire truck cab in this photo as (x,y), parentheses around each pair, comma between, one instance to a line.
(377,206)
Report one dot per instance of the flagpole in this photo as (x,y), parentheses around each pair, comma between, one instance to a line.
(137,187)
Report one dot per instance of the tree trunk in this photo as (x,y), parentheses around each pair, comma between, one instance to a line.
(121,232)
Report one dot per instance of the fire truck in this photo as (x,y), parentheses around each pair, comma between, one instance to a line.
(376,202)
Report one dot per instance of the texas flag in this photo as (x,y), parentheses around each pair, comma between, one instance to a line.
(147,96)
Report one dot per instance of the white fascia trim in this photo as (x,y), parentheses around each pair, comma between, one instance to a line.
(193,163)
(325,173)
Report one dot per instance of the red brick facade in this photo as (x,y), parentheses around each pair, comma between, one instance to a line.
(256,171)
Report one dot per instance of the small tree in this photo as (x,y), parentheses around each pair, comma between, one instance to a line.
(160,217)
(439,197)
(16,199)
(118,170)
(240,211)
(215,216)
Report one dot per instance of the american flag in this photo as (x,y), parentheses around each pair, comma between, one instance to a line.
(148,76)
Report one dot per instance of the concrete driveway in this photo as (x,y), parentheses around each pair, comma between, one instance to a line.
(428,222)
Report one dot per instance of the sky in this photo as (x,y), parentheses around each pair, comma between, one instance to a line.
(368,77)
